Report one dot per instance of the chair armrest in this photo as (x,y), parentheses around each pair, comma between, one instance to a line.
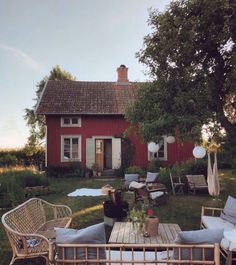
(61,211)
(212,210)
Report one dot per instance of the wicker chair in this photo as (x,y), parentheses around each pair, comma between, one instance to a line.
(29,227)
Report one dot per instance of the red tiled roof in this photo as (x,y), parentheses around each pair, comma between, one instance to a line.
(76,97)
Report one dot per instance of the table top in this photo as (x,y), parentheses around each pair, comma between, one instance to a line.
(123,232)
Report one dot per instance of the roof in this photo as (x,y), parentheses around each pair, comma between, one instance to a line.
(78,97)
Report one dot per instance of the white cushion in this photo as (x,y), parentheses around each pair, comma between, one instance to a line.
(225,243)
(152,177)
(213,222)
(136,185)
(156,194)
(138,256)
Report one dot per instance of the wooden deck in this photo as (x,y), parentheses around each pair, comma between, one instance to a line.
(123,232)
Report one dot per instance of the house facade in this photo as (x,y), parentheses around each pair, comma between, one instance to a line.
(85,122)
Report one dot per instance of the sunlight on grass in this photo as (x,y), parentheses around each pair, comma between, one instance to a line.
(87,210)
(17,168)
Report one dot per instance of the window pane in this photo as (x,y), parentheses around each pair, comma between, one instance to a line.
(74,121)
(66,148)
(161,152)
(66,120)
(75,148)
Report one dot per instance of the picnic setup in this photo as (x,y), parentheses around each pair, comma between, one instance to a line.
(37,228)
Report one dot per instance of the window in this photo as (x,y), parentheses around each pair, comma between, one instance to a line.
(71,121)
(70,148)
(162,152)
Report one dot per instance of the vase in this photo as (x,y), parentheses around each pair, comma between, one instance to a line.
(151,225)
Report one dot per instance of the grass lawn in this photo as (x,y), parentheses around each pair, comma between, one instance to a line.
(182,209)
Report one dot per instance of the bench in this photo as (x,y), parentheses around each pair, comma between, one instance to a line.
(135,254)
(30,225)
(196,183)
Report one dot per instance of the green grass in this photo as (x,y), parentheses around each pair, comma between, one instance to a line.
(183,209)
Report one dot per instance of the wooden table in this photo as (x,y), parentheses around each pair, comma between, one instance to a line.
(123,232)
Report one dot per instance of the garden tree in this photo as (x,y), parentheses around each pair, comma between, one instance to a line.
(37,123)
(191,57)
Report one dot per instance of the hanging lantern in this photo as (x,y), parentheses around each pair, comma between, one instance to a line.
(170,139)
(152,147)
(199,152)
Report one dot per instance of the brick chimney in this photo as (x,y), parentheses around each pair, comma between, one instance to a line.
(122,78)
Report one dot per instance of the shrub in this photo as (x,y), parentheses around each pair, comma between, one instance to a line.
(193,167)
(13,183)
(135,170)
(72,169)
(8,160)
(154,166)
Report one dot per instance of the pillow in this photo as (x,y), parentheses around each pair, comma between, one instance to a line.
(131,177)
(229,212)
(94,234)
(203,236)
(152,177)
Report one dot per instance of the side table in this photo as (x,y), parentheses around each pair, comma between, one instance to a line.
(228,244)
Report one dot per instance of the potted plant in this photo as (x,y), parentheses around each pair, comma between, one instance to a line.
(99,171)
(137,217)
(151,223)
(95,168)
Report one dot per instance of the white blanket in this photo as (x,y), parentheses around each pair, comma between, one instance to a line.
(86,192)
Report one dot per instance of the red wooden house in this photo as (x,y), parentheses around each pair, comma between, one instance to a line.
(85,120)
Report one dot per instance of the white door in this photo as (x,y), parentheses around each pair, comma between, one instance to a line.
(90,152)
(116,153)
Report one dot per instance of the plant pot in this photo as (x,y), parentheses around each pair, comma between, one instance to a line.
(94,173)
(99,174)
(151,225)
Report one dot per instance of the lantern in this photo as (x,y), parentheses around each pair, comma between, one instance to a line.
(170,139)
(199,152)
(152,147)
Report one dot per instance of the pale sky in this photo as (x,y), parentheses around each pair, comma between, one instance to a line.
(88,38)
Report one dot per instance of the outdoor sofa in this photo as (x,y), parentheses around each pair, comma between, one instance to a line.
(30,226)
(222,218)
(88,246)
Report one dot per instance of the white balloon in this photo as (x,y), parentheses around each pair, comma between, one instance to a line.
(199,151)
(152,147)
(170,139)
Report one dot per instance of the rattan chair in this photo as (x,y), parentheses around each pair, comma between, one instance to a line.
(29,227)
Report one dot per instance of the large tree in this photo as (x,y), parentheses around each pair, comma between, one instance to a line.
(191,57)
(36,123)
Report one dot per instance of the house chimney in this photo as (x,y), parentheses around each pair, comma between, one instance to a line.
(122,79)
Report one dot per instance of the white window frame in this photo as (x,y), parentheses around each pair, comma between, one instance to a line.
(70,124)
(79,148)
(165,157)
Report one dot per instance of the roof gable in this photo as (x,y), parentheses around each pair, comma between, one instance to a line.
(78,97)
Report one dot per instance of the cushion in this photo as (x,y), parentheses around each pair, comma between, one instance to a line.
(136,185)
(229,212)
(129,178)
(214,222)
(94,234)
(156,194)
(152,177)
(203,236)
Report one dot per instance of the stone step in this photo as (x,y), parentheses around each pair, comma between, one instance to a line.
(108,172)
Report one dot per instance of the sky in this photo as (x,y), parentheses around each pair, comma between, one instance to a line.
(88,38)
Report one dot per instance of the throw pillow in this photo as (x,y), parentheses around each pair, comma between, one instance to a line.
(229,212)
(203,236)
(152,177)
(94,234)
